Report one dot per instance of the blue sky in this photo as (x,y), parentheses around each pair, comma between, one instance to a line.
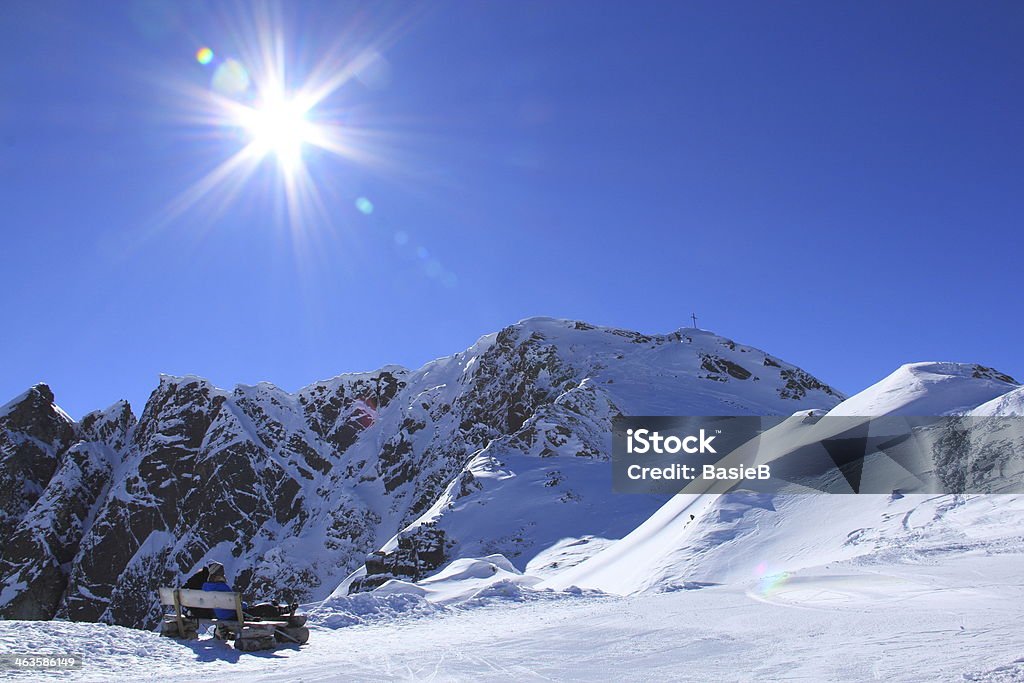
(836,183)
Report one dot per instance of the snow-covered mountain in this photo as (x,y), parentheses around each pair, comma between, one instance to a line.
(498,449)
(711,537)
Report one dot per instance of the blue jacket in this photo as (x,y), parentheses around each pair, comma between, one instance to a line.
(223,588)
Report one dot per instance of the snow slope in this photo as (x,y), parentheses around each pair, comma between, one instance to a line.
(1009,404)
(706,537)
(952,620)
(928,389)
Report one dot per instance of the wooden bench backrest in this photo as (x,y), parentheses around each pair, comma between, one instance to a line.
(166,596)
(187,597)
(208,599)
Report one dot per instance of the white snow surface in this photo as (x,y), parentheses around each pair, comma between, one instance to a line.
(1009,404)
(948,616)
(926,389)
(466,578)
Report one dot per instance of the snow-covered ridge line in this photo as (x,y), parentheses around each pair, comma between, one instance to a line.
(537,324)
(189,378)
(929,388)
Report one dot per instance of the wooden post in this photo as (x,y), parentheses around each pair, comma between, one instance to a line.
(177,614)
(238,610)
(694,317)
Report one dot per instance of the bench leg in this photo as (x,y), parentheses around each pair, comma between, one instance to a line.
(171,627)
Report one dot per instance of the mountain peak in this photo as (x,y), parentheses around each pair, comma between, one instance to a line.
(37,393)
(36,400)
(43,391)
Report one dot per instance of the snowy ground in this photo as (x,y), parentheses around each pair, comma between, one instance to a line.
(961,618)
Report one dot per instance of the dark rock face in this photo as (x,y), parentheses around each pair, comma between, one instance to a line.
(36,552)
(204,474)
(798,383)
(33,432)
(718,366)
(46,539)
(212,475)
(419,551)
(982,372)
(292,491)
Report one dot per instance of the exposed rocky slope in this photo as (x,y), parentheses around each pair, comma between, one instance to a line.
(499,448)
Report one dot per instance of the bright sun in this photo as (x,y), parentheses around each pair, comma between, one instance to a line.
(278,119)
(278,126)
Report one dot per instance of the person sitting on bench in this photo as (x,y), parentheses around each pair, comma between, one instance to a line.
(195,582)
(216,581)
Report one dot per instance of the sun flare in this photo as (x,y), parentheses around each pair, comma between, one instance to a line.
(278,126)
(268,104)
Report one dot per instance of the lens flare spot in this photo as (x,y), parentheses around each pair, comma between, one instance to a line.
(372,70)
(365,412)
(230,78)
(364,205)
(422,253)
(769,580)
(204,55)
(401,238)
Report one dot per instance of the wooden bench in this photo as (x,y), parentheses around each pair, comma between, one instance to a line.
(248,633)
